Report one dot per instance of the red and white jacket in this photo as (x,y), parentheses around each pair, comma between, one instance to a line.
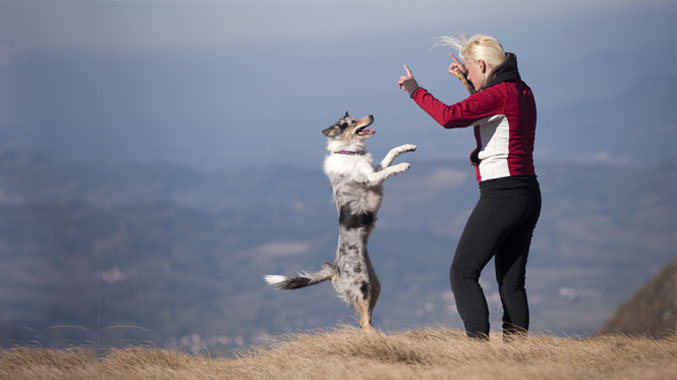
(504,118)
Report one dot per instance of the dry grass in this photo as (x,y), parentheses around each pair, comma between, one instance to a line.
(350,353)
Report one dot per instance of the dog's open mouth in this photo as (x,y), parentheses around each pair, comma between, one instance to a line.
(364,131)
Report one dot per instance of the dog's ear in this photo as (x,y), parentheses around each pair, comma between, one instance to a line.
(346,115)
(332,131)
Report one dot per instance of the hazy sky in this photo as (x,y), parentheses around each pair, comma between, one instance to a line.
(213,84)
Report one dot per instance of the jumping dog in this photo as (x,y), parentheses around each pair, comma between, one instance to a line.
(358,190)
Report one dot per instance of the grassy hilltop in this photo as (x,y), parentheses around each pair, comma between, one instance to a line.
(348,353)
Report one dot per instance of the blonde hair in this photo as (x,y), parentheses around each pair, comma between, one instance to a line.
(479,46)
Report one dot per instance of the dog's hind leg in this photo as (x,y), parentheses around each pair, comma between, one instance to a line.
(367,301)
(374,289)
(365,309)
(375,292)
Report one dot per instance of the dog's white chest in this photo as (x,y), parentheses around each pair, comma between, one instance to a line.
(349,168)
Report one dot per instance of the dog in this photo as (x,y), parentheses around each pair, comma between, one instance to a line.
(357,190)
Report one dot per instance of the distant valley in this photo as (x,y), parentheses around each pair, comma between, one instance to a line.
(169,255)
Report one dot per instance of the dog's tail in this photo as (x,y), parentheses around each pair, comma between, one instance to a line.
(303,279)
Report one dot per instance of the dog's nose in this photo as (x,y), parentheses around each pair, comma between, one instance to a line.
(371,117)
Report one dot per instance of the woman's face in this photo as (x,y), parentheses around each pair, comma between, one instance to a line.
(477,73)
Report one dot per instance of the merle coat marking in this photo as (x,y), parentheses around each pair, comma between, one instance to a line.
(358,189)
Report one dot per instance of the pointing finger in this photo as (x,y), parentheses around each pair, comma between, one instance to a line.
(456,61)
(406,68)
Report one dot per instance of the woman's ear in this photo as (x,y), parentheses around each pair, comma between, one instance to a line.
(483,65)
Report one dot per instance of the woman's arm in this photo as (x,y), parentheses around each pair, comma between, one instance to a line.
(483,104)
(478,106)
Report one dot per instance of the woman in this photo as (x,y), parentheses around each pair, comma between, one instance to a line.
(503,113)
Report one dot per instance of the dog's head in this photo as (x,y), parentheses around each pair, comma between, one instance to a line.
(350,129)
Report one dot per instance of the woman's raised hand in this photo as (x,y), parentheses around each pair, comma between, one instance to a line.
(456,65)
(403,78)
(407,82)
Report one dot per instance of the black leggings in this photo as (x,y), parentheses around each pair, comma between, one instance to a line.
(501,225)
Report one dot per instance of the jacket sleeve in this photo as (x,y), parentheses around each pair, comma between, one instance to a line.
(478,106)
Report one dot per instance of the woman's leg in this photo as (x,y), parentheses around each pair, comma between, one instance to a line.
(472,254)
(486,229)
(511,261)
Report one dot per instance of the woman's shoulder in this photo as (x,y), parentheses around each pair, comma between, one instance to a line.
(508,89)
(497,92)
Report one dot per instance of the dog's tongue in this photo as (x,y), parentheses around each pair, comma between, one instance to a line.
(366,132)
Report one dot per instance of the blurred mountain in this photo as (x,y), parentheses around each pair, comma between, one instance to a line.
(652,311)
(159,253)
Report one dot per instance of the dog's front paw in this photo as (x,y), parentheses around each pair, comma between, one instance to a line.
(402,167)
(407,148)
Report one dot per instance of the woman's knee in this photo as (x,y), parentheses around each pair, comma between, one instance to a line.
(511,293)
(460,274)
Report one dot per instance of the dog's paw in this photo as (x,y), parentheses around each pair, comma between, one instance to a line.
(402,167)
(407,148)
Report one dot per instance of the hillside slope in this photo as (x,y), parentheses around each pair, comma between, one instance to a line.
(652,311)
